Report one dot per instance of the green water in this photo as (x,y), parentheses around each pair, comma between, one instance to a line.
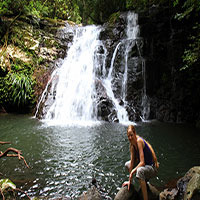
(63,160)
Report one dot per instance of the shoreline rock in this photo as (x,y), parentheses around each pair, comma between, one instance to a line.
(187,188)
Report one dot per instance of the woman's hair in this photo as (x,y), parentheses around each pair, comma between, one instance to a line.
(133,148)
(132,128)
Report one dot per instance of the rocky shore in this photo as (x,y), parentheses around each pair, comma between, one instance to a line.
(187,188)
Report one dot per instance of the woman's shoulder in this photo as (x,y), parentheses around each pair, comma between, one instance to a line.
(140,140)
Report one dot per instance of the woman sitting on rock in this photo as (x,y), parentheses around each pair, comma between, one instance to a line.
(143,158)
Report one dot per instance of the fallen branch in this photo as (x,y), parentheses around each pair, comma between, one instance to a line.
(23,192)
(18,154)
(4,143)
(2,194)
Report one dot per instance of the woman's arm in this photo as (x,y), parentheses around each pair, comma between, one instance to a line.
(140,145)
(154,155)
(132,151)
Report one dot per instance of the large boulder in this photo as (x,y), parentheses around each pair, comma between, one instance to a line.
(133,194)
(105,107)
(91,194)
(188,187)
(125,194)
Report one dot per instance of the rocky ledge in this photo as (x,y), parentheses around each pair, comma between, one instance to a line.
(187,188)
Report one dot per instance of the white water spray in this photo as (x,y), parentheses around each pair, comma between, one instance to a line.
(75,88)
(145,101)
(122,114)
(132,33)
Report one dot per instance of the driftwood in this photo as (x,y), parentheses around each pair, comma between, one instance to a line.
(16,151)
(4,142)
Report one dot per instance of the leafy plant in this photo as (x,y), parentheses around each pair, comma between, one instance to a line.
(190,9)
(192,53)
(114,17)
(5,184)
(20,88)
(36,8)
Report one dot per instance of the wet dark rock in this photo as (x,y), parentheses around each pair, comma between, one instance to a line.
(91,194)
(125,194)
(133,194)
(187,188)
(168,88)
(169,194)
(198,124)
(105,107)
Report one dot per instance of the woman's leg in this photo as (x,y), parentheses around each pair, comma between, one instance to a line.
(128,164)
(143,174)
(143,186)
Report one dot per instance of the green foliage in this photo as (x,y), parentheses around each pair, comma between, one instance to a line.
(93,11)
(114,17)
(132,4)
(6,187)
(6,184)
(143,4)
(9,7)
(4,97)
(190,10)
(192,53)
(75,14)
(99,11)
(35,8)
(20,88)
(16,89)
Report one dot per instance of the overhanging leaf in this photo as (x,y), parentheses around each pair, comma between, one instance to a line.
(6,183)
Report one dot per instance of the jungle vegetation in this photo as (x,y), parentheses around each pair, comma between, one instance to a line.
(17,81)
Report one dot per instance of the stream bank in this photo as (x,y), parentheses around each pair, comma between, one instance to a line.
(187,188)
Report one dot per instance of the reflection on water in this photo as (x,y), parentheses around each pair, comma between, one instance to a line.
(63,160)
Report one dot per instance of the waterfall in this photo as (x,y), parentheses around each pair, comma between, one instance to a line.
(145,101)
(131,40)
(133,32)
(122,114)
(46,91)
(73,84)
(75,90)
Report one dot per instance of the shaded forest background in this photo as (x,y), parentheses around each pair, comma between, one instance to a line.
(18,80)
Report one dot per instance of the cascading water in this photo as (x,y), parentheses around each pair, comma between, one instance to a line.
(127,44)
(145,101)
(75,91)
(73,84)
(132,33)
